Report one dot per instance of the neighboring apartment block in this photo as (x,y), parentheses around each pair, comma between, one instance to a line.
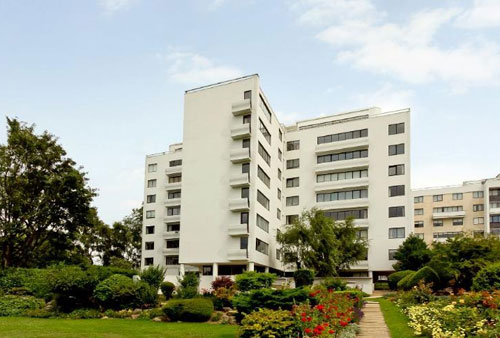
(444,212)
(215,202)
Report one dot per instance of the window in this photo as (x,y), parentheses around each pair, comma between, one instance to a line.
(419,224)
(290,219)
(398,169)
(292,164)
(265,109)
(264,131)
(247,95)
(174,194)
(279,194)
(150,214)
(279,174)
(151,183)
(397,128)
(341,195)
(343,214)
(172,243)
(447,234)
(448,209)
(263,176)
(396,211)
(244,218)
(292,200)
(437,198)
(458,196)
(292,182)
(173,227)
(458,221)
(280,134)
(245,143)
(396,190)
(343,136)
(346,175)
(172,260)
(278,213)
(362,234)
(173,211)
(174,179)
(478,207)
(245,168)
(293,145)
(261,246)
(207,270)
(478,220)
(262,199)
(245,192)
(396,149)
(280,155)
(262,223)
(243,243)
(152,168)
(392,252)
(150,198)
(247,119)
(264,154)
(349,155)
(149,245)
(175,163)
(495,219)
(437,223)
(396,233)
(150,229)
(148,261)
(478,194)
(418,199)
(494,192)
(418,212)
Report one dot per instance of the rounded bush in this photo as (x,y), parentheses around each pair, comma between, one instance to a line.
(268,323)
(153,275)
(121,292)
(303,277)
(222,282)
(189,310)
(426,274)
(488,278)
(167,288)
(251,280)
(335,284)
(403,284)
(395,277)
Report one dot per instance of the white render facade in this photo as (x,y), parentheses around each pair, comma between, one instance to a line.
(214,203)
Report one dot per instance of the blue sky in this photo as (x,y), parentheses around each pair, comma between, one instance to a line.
(108,76)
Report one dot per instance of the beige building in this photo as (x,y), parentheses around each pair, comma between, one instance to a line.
(444,212)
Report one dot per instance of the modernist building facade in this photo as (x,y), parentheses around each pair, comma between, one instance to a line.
(444,212)
(214,203)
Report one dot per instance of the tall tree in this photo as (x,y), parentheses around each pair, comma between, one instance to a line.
(44,199)
(316,242)
(412,254)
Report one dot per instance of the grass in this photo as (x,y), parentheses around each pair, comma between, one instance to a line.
(109,328)
(395,319)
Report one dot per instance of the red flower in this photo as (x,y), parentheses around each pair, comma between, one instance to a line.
(308,330)
(343,323)
(331,331)
(303,319)
(320,307)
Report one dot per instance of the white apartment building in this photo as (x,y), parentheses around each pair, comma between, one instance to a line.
(214,203)
(444,212)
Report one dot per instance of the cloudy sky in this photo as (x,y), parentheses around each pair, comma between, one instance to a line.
(108,76)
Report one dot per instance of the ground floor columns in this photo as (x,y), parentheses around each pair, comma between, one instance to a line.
(181,270)
(251,266)
(215,271)
(267,269)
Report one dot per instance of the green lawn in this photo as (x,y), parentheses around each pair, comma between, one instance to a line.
(111,328)
(395,319)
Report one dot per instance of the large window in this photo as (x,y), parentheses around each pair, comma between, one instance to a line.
(478,194)
(174,194)
(174,179)
(245,168)
(261,246)
(446,234)
(265,109)
(247,119)
(340,215)
(290,219)
(172,227)
(418,211)
(293,145)
(245,193)
(175,163)
(243,243)
(150,214)
(341,195)
(148,261)
(292,164)
(264,154)
(396,211)
(244,218)
(495,219)
(149,245)
(398,169)
(343,136)
(348,155)
(150,198)
(419,224)
(172,243)
(396,190)
(152,168)
(150,229)
(437,198)
(262,223)
(458,221)
(397,128)
(292,200)
(151,183)
(245,143)
(263,176)
(418,199)
(478,220)
(292,182)
(478,207)
(392,252)
(458,196)
(171,260)
(174,211)
(262,199)
(396,233)
(396,149)
(437,223)
(448,209)
(264,131)
(346,175)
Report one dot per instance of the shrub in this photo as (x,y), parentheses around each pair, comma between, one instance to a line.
(189,310)
(153,275)
(73,286)
(222,282)
(251,280)
(488,278)
(395,277)
(268,323)
(120,292)
(35,281)
(84,314)
(418,295)
(425,274)
(11,305)
(381,286)
(188,285)
(167,288)
(303,277)
(404,283)
(223,297)
(332,283)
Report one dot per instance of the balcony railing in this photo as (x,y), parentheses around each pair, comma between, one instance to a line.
(242,107)
(237,255)
(239,204)
(239,155)
(238,230)
(241,131)
(239,180)
(450,214)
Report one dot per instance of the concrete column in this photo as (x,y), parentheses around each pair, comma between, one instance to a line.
(215,271)
(267,269)
(251,266)
(181,270)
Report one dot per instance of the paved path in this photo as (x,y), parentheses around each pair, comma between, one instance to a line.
(372,324)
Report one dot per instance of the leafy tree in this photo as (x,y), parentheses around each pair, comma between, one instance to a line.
(44,200)
(316,242)
(412,254)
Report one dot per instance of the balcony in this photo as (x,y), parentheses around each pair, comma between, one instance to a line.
(451,214)
(239,155)
(239,180)
(238,230)
(173,186)
(340,165)
(342,184)
(173,170)
(342,145)
(172,218)
(241,131)
(170,251)
(239,204)
(242,107)
(171,234)
(495,208)
(172,202)
(237,255)
(344,204)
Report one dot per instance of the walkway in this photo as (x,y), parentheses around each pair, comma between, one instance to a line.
(372,324)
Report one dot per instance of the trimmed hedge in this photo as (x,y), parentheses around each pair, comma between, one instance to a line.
(395,277)
(121,292)
(404,283)
(303,277)
(167,288)
(427,274)
(488,278)
(189,310)
(251,280)
(333,283)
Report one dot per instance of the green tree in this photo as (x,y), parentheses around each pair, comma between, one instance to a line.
(412,254)
(316,242)
(44,199)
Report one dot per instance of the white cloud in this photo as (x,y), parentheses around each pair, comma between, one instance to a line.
(387,97)
(484,13)
(111,6)
(194,69)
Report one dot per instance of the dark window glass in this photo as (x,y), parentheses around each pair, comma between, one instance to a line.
(396,149)
(244,218)
(245,192)
(243,243)
(292,164)
(171,260)
(148,261)
(245,143)
(398,169)
(263,176)
(293,145)
(149,245)
(396,190)
(397,128)
(343,136)
(173,227)
(264,154)
(150,198)
(150,229)
(292,182)
(396,211)
(175,163)
(262,199)
(172,243)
